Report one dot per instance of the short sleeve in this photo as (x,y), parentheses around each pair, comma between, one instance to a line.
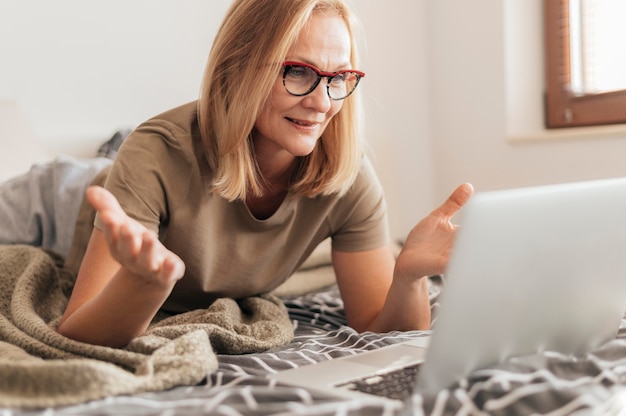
(149,175)
(360,221)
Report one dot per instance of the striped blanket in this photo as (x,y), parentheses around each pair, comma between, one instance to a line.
(547,383)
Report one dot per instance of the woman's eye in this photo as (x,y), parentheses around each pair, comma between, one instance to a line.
(338,79)
(297,71)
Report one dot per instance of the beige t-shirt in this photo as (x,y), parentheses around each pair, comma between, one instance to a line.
(158,180)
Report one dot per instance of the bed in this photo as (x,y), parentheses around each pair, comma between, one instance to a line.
(236,384)
(547,383)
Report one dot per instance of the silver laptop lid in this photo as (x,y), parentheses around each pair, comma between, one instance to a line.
(531,269)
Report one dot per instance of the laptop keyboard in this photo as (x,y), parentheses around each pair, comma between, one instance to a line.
(395,384)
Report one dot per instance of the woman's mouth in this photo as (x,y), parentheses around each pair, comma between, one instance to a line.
(302,123)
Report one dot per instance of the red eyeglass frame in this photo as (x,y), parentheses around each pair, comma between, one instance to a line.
(323,73)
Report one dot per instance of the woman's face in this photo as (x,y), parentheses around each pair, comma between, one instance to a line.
(292,125)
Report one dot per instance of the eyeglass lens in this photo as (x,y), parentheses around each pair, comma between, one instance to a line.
(302,80)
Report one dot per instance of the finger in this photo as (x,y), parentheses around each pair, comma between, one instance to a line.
(456,200)
(127,244)
(103,200)
(155,262)
(111,213)
(109,209)
(172,270)
(149,258)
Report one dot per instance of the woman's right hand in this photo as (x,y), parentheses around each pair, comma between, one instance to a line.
(134,246)
(124,278)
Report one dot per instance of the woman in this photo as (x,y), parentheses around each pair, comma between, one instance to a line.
(227,196)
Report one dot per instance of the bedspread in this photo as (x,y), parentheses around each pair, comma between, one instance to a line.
(39,367)
(547,383)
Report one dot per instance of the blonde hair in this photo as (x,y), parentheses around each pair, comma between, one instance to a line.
(246,57)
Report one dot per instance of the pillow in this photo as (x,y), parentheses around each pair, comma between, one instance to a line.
(20,147)
(315,273)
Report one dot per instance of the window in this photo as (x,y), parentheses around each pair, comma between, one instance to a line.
(585,62)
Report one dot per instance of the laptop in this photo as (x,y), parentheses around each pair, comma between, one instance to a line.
(531,269)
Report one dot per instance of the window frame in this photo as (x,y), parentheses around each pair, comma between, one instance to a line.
(563,108)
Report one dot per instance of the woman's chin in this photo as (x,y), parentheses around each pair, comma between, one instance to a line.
(304,146)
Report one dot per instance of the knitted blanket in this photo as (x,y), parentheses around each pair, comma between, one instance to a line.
(41,368)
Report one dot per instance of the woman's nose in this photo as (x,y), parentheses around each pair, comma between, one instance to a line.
(318,98)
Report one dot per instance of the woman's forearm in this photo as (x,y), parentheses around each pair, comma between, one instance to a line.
(120,312)
(406,307)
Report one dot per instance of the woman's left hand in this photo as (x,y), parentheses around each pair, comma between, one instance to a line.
(428,245)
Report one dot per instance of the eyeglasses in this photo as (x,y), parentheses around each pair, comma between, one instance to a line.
(301,79)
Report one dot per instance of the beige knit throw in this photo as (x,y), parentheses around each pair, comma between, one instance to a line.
(40,368)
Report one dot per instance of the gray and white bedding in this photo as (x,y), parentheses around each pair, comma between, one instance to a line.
(547,383)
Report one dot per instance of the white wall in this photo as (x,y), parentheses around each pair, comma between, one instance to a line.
(82,69)
(397,106)
(486,76)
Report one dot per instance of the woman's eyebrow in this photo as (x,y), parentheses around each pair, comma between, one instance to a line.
(343,66)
